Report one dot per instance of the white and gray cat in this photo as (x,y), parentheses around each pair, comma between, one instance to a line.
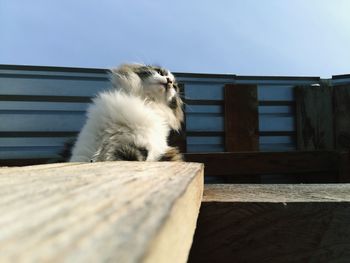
(132,121)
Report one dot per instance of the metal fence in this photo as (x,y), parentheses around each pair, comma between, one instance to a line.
(41,107)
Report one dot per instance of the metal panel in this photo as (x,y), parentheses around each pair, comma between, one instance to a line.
(340,79)
(32,141)
(36,152)
(51,86)
(41,106)
(275,92)
(204,122)
(277,143)
(31,147)
(276,122)
(34,121)
(204,109)
(205,144)
(276,110)
(204,91)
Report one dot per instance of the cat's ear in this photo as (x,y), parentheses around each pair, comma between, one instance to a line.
(125,78)
(119,77)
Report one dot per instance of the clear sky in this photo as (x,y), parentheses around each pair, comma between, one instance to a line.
(246,37)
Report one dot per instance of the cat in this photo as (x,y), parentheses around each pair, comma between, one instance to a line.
(132,120)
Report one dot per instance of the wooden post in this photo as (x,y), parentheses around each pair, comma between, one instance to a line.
(241,122)
(314,118)
(99,212)
(241,118)
(273,223)
(342,117)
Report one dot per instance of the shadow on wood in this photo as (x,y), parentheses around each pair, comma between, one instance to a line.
(273,223)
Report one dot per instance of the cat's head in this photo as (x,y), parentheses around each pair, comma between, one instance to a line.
(151,83)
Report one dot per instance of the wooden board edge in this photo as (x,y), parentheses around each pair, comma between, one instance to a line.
(174,239)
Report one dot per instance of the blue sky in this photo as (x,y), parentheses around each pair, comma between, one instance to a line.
(250,37)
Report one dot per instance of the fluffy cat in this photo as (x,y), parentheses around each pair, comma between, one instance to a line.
(132,121)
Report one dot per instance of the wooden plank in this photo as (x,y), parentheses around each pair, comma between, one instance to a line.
(100,212)
(344,166)
(342,117)
(273,223)
(241,118)
(255,163)
(314,114)
(252,163)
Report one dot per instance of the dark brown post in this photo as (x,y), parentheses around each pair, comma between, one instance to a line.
(241,118)
(314,118)
(342,117)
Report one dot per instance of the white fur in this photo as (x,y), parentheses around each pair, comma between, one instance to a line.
(141,122)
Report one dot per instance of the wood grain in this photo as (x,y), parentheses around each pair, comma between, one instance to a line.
(100,212)
(314,113)
(241,118)
(342,117)
(273,223)
(276,193)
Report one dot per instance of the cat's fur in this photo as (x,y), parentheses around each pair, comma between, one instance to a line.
(132,121)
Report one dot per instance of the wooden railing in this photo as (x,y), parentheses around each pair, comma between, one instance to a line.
(304,166)
(147,212)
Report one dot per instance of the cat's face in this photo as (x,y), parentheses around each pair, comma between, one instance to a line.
(151,83)
(158,84)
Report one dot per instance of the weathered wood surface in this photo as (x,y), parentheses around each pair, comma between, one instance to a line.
(314,112)
(342,117)
(273,223)
(100,212)
(241,118)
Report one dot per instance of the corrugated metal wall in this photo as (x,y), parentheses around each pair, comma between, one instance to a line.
(276,110)
(340,79)
(41,107)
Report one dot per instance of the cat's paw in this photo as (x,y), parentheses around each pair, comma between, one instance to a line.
(172,155)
